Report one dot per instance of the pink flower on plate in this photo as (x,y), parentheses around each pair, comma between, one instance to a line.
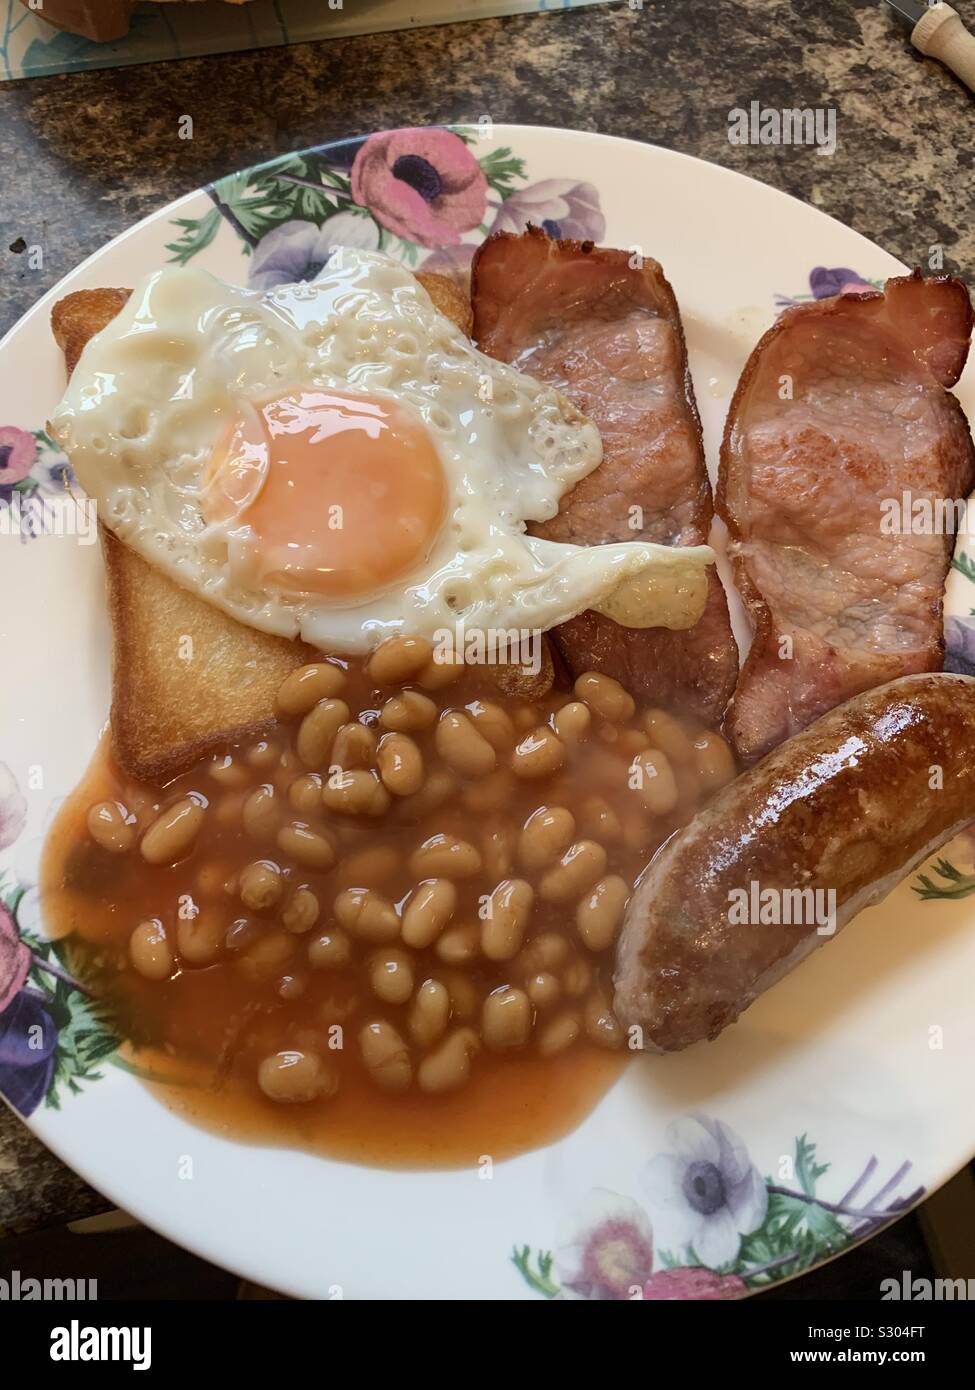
(13,808)
(693,1282)
(14,959)
(609,1252)
(18,450)
(562,208)
(423,184)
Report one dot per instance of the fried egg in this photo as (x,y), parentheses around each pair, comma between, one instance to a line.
(336,461)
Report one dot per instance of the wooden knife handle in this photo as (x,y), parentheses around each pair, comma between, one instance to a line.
(942,35)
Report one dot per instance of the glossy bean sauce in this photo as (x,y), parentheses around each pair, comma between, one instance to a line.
(385,931)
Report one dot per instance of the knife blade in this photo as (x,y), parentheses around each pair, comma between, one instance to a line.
(910,10)
(939,32)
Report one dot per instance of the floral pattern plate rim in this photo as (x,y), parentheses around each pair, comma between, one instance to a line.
(832,1106)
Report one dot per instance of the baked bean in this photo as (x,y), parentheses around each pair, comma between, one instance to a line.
(172,835)
(259,813)
(441,671)
(546,834)
(445,856)
(400,764)
(449,1066)
(408,713)
(539,754)
(498,845)
(465,1001)
(330,950)
(577,869)
(652,777)
(199,939)
(430,908)
(295,1077)
(525,717)
(667,734)
(462,748)
(262,755)
(307,686)
(428,1014)
(493,723)
(110,828)
(576,978)
(399,659)
(606,696)
(391,976)
(714,761)
(312,849)
(457,945)
(543,990)
(227,772)
(600,1022)
(439,787)
(599,821)
(490,793)
(305,794)
(318,729)
(212,880)
(301,911)
(337,1008)
(358,793)
(572,721)
(369,866)
(149,950)
(266,957)
(353,746)
(557,1035)
(292,986)
(367,914)
(241,934)
(630,741)
(507,914)
(386,1055)
(547,951)
(229,809)
(260,885)
(506,1018)
(599,914)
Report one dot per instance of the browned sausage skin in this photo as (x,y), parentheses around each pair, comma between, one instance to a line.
(848,807)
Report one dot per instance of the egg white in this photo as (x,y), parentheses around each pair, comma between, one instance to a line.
(158,387)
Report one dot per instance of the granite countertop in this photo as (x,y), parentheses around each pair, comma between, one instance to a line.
(87,154)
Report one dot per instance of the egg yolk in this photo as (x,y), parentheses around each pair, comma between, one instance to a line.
(327,492)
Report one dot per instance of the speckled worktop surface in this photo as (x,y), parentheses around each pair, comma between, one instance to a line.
(85,155)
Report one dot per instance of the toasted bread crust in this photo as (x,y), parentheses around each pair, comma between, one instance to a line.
(186,679)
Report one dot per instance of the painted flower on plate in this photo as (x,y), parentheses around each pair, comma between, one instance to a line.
(13,808)
(561,207)
(609,1249)
(706,1194)
(825,282)
(425,185)
(960,645)
(18,450)
(298,251)
(693,1282)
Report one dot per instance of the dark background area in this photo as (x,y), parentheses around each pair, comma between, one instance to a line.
(85,155)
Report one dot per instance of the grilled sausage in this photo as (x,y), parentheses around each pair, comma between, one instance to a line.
(823,827)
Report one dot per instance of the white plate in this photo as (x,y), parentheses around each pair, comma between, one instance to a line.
(865,1052)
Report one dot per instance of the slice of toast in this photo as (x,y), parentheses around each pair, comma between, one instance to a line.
(186,678)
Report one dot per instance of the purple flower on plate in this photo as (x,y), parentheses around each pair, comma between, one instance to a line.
(28,1039)
(960,645)
(561,207)
(608,1252)
(298,251)
(707,1193)
(824,282)
(425,185)
(18,450)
